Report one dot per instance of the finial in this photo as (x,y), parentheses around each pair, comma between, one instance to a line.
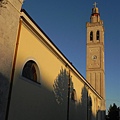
(95,4)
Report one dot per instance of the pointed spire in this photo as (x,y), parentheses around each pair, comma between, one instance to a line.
(95,16)
(95,9)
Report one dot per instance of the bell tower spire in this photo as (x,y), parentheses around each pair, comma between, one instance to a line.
(95,16)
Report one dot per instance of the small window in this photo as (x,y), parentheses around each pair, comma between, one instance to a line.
(90,103)
(91,36)
(98,35)
(74,95)
(30,71)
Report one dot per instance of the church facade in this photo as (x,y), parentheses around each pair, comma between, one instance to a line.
(37,81)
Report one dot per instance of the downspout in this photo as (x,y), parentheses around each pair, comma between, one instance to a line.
(13,71)
(68,103)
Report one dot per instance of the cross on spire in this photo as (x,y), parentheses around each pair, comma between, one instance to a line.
(95,4)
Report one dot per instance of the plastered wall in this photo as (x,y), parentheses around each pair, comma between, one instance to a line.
(47,99)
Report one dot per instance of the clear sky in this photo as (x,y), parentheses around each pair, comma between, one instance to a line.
(64,22)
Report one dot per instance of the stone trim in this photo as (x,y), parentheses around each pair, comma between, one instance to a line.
(3,3)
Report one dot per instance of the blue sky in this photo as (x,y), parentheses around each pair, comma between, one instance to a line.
(64,21)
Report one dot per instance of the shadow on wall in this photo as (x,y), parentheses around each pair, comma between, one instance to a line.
(33,101)
(62,85)
(4,85)
(64,88)
(30,101)
(78,110)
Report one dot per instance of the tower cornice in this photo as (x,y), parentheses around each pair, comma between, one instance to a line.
(99,43)
(89,24)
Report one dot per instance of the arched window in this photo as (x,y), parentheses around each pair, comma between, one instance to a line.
(74,95)
(91,36)
(90,102)
(89,108)
(30,71)
(98,35)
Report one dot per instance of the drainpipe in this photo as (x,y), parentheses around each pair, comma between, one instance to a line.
(13,71)
(68,104)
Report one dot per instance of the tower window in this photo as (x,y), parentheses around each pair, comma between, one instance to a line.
(30,71)
(98,35)
(91,36)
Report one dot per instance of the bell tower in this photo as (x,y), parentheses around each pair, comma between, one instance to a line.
(95,71)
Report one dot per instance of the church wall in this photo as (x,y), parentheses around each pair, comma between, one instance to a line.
(47,98)
(78,108)
(32,100)
(95,106)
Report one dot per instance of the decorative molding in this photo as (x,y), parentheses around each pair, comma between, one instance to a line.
(3,3)
(89,24)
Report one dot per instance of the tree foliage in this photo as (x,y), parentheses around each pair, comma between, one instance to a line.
(113,112)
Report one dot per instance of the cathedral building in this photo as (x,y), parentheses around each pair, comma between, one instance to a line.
(37,82)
